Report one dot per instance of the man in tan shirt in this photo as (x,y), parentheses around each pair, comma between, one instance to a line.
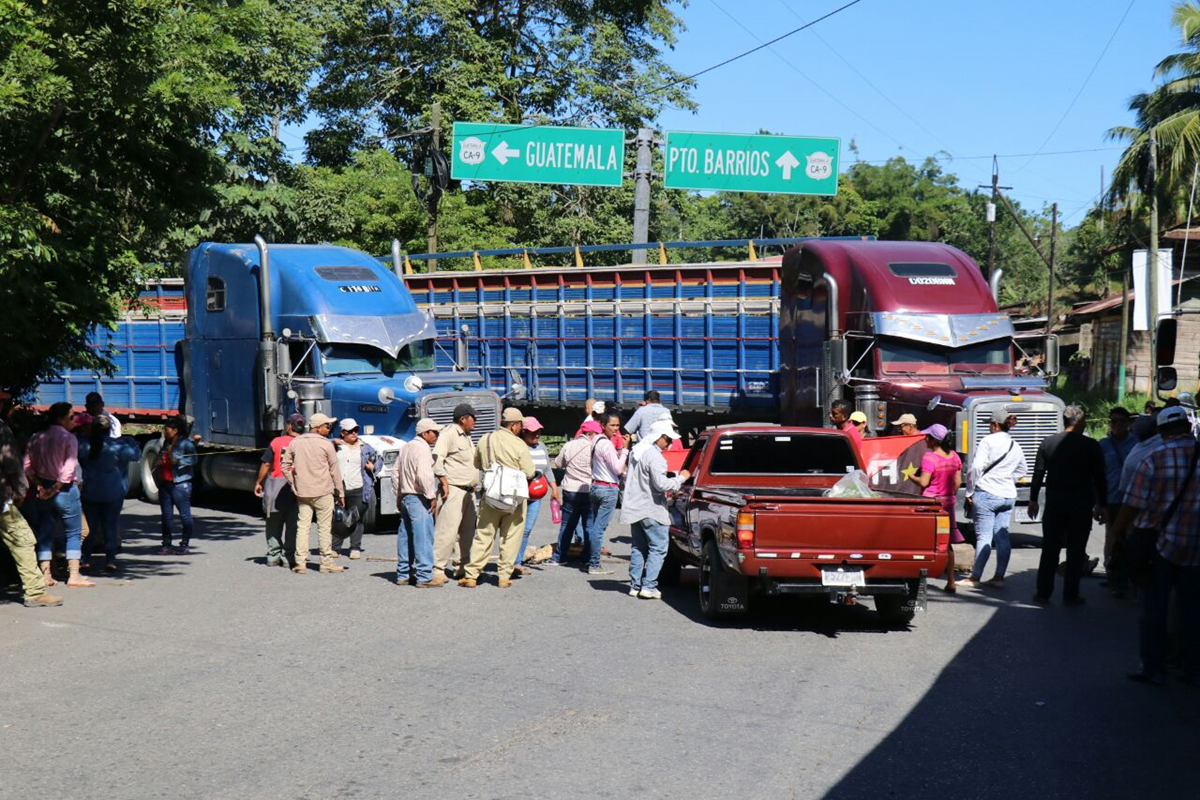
(311,468)
(505,447)
(416,489)
(454,466)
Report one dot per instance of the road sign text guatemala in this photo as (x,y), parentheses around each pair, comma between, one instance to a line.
(733,162)
(537,154)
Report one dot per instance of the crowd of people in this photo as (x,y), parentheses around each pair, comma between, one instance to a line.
(459,501)
(1140,481)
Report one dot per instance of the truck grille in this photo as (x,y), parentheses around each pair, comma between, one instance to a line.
(1032,427)
(440,408)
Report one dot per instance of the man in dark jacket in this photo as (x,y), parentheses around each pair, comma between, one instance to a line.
(14,530)
(1076,491)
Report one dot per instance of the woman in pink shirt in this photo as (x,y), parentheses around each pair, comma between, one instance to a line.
(52,462)
(941,477)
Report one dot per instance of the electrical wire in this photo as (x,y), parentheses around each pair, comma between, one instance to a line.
(1082,86)
(752,50)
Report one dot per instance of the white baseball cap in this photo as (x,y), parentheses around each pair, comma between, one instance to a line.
(1172,414)
(349,423)
(426,424)
(662,428)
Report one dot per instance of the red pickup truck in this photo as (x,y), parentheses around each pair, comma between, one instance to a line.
(755,517)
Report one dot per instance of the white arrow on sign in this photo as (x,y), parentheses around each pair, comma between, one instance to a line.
(503,153)
(788,162)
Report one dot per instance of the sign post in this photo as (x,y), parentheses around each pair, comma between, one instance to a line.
(537,154)
(732,162)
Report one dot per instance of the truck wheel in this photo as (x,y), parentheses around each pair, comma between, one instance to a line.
(722,595)
(371,516)
(150,451)
(671,567)
(896,609)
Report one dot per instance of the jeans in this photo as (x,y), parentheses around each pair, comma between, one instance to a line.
(991,525)
(104,519)
(414,540)
(281,535)
(354,499)
(63,507)
(603,503)
(1069,527)
(576,508)
(531,515)
(1154,636)
(646,557)
(171,496)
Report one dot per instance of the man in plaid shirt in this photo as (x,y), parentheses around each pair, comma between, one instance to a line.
(1158,481)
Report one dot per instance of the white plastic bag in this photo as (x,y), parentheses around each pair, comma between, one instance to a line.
(852,484)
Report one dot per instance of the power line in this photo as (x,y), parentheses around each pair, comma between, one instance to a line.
(1010,155)
(806,77)
(1082,86)
(706,70)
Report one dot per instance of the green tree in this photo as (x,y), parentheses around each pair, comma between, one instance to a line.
(106,145)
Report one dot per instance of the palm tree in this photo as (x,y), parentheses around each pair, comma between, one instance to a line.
(1172,113)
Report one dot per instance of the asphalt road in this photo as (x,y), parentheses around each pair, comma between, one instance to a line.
(215,676)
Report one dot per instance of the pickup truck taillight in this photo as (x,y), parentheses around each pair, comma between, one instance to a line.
(943,533)
(745,530)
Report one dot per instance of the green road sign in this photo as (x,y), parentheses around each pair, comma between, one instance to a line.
(734,162)
(538,154)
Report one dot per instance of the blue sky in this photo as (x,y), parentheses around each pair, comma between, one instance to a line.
(913,78)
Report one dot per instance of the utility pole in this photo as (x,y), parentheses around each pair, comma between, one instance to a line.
(641,193)
(434,194)
(1053,249)
(1153,259)
(991,215)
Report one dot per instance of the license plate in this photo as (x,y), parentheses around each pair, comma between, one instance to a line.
(843,577)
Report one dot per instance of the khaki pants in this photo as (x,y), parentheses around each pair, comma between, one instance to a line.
(322,509)
(455,525)
(16,535)
(510,527)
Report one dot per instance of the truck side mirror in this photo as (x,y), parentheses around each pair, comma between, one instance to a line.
(835,350)
(1168,379)
(461,356)
(1051,365)
(1164,342)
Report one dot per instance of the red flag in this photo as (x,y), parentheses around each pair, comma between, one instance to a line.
(892,461)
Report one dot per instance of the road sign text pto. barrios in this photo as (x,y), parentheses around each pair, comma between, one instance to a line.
(733,162)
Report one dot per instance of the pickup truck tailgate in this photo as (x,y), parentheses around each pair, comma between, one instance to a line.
(834,524)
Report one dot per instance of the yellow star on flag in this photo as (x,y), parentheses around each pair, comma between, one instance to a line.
(909,471)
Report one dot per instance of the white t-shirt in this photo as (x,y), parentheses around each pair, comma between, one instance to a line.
(350,461)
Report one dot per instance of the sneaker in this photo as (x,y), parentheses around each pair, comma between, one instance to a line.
(165,551)
(355,555)
(43,601)
(599,571)
(439,578)
(650,594)
(274,562)
(429,584)
(182,550)
(403,580)
(633,591)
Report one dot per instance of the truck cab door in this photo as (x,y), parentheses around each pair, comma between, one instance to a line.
(681,504)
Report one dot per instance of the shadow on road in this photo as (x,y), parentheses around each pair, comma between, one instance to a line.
(1037,703)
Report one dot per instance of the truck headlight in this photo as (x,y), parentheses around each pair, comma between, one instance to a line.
(390,457)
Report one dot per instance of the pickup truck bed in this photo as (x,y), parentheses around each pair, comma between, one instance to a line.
(774,530)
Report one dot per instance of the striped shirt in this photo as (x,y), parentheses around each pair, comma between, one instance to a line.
(1155,485)
(413,471)
(541,461)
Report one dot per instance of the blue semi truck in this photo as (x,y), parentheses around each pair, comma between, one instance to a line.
(254,332)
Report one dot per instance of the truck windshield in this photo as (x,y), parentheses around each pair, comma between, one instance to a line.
(905,357)
(782,454)
(359,359)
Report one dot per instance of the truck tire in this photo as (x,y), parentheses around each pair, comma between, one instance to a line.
(150,451)
(671,567)
(896,609)
(717,586)
(371,516)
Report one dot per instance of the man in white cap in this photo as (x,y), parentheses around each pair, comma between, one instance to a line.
(645,508)
(416,487)
(906,425)
(357,461)
(311,467)
(503,446)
